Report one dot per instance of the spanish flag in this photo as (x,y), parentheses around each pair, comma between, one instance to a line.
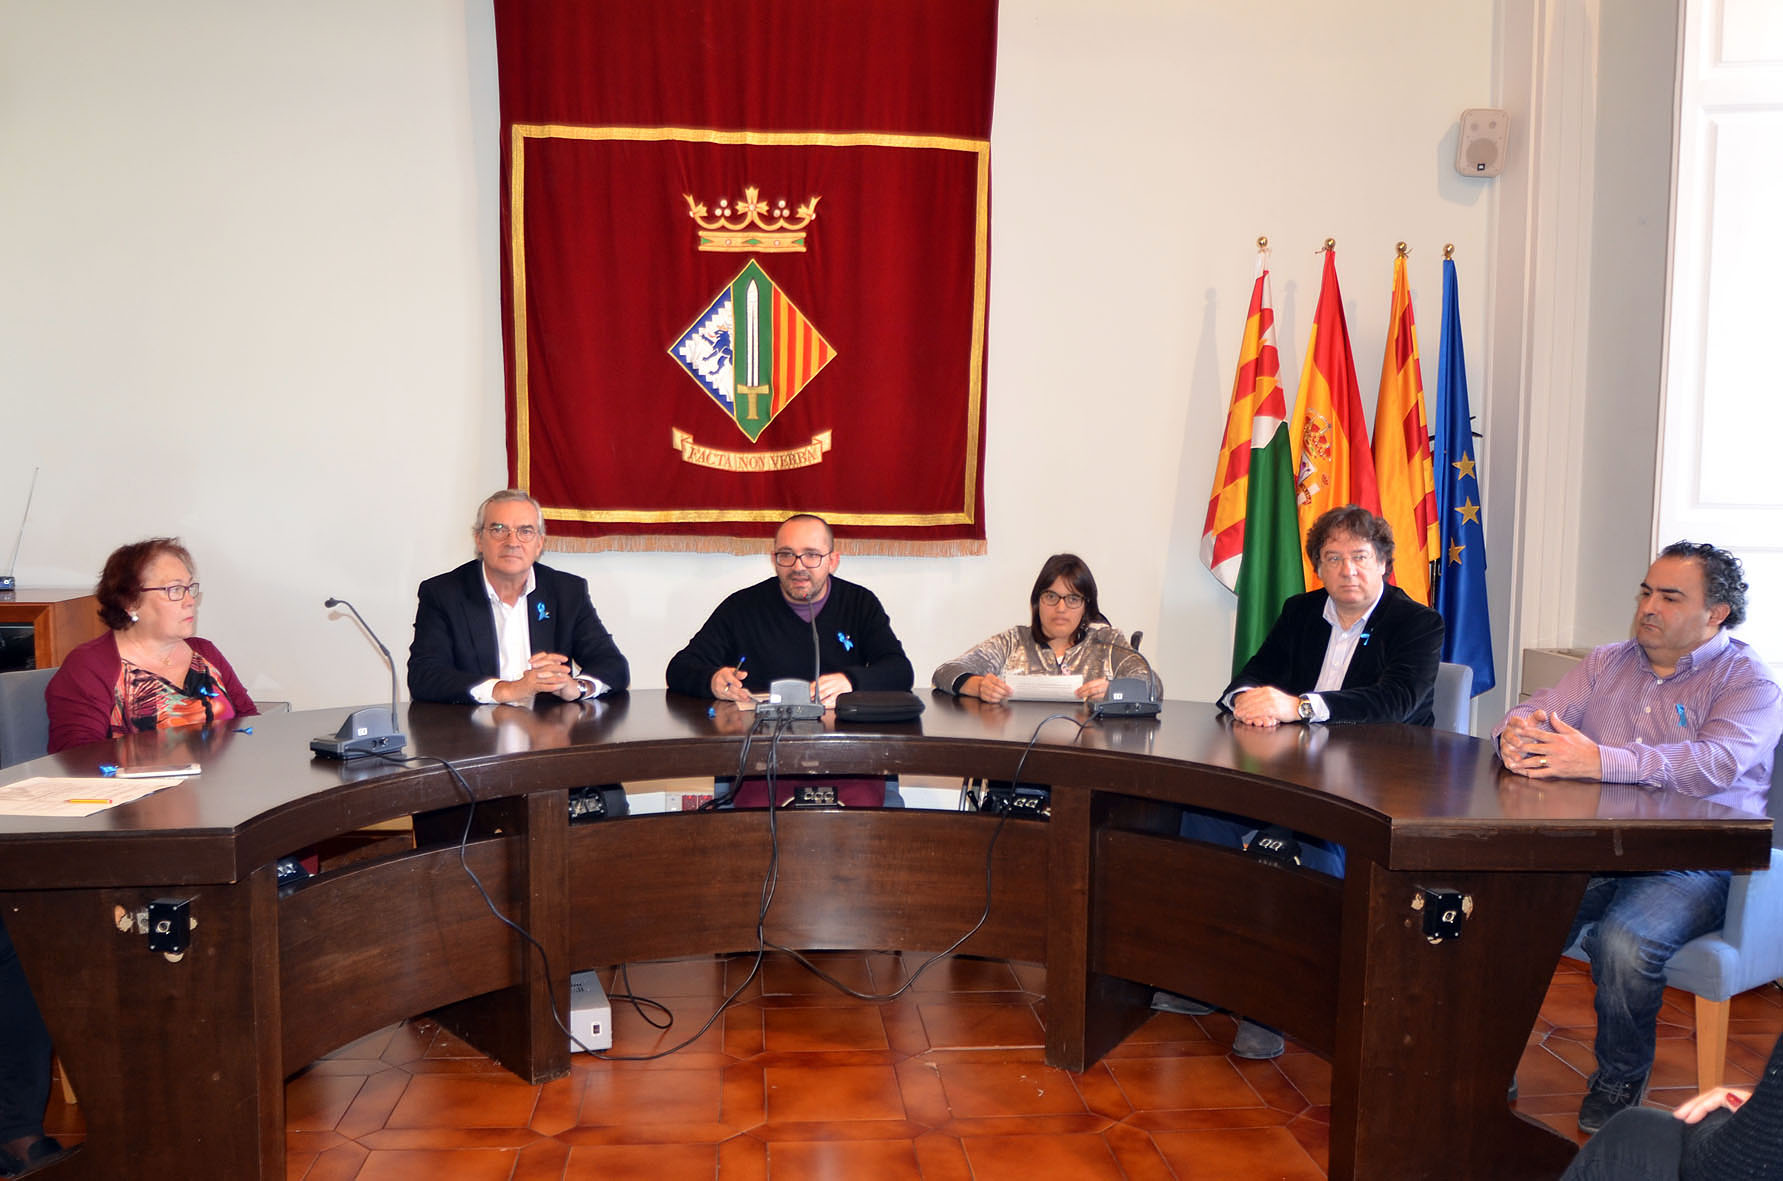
(1332,464)
(1402,448)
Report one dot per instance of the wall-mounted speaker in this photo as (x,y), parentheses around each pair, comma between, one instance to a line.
(1480,148)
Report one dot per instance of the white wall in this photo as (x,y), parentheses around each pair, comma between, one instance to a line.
(250,296)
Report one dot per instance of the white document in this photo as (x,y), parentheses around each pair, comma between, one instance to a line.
(47,796)
(1043,686)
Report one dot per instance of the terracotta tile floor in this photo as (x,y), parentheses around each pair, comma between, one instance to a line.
(799,1081)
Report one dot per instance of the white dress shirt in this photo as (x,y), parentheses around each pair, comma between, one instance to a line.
(513,643)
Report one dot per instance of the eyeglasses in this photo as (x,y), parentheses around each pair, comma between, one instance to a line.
(810,559)
(500,532)
(176,591)
(1362,560)
(1054,598)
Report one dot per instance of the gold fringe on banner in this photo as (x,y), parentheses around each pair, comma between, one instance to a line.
(666,543)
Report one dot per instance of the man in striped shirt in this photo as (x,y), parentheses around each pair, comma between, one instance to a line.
(1682,706)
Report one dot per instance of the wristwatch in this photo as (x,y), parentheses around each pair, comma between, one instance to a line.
(1305,710)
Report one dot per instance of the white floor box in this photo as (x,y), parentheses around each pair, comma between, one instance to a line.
(591,1017)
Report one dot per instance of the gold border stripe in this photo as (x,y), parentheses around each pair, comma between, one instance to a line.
(981,148)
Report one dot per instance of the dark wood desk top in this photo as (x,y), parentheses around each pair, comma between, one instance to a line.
(1405,796)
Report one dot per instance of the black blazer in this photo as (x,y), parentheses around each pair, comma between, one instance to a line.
(454,646)
(1392,675)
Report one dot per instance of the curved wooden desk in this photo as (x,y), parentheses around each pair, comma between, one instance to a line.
(181,1066)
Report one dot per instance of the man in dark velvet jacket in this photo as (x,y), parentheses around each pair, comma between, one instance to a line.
(1355,650)
(503,628)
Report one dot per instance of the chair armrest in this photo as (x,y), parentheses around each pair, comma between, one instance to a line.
(1754,923)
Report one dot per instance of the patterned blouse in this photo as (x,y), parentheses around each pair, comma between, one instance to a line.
(1104,652)
(144,700)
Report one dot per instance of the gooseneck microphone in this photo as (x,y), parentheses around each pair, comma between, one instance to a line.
(1127,697)
(368,731)
(793,700)
(6,580)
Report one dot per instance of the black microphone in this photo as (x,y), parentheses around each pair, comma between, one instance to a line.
(1127,697)
(368,731)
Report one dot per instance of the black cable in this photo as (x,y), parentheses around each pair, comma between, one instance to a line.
(464,863)
(984,915)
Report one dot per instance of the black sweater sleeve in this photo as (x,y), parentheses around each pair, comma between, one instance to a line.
(1746,1144)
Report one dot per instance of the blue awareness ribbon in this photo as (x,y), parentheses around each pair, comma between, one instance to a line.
(847,644)
(543,614)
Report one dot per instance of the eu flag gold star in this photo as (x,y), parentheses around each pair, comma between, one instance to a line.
(1464,466)
(1455,553)
(1470,512)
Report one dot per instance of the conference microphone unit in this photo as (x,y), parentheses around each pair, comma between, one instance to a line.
(368,731)
(1128,697)
(790,699)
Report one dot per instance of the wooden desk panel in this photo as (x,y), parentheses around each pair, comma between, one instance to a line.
(1422,1038)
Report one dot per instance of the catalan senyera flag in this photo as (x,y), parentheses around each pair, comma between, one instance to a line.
(1332,463)
(1251,541)
(1461,577)
(1402,447)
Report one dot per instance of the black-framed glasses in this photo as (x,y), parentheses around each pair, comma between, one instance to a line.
(810,559)
(500,531)
(175,591)
(1054,598)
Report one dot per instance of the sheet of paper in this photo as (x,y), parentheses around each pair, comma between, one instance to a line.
(47,796)
(1043,686)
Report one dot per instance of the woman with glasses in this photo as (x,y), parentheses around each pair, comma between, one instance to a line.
(150,670)
(1061,638)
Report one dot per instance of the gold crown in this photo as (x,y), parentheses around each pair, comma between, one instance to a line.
(751,226)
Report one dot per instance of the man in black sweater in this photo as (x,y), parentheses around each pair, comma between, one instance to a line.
(766,632)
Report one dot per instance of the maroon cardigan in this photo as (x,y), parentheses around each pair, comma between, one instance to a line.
(81,694)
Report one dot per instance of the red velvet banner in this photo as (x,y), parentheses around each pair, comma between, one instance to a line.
(746,268)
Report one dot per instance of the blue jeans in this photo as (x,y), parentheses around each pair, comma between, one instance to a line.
(1234,832)
(24,1050)
(1637,922)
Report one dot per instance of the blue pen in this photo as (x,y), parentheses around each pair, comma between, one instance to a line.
(1682,719)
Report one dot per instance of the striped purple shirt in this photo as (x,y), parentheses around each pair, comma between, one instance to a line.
(1709,730)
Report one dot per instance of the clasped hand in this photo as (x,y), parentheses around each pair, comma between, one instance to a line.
(547,672)
(1265,706)
(1542,746)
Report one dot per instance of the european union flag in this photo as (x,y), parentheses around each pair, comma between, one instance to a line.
(1461,590)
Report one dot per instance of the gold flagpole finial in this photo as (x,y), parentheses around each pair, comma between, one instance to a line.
(1262,241)
(1403,249)
(1448,250)
(1330,244)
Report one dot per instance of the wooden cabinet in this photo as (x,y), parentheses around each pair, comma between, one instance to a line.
(60,618)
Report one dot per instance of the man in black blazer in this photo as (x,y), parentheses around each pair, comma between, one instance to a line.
(503,628)
(1355,650)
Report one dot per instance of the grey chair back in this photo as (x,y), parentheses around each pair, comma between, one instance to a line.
(1454,696)
(24,720)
